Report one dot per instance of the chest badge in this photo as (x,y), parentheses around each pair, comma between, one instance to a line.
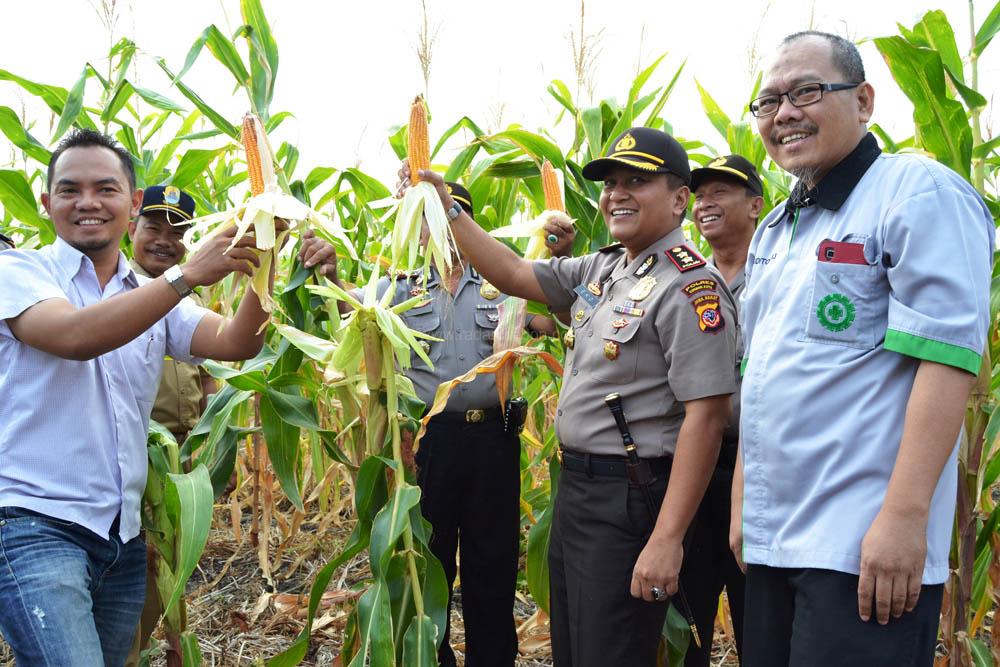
(642,288)
(418,291)
(488,291)
(493,317)
(646,265)
(612,350)
(594,288)
(619,323)
(578,316)
(569,338)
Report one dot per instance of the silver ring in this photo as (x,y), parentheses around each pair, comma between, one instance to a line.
(658,593)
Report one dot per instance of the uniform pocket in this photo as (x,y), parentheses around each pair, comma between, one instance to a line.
(143,357)
(621,353)
(486,327)
(843,305)
(425,320)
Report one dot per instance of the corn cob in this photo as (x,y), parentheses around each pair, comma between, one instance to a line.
(418,148)
(550,186)
(252,150)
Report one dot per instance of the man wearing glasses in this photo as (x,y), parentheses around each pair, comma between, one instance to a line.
(865,311)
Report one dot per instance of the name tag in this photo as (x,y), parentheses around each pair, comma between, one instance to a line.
(586,295)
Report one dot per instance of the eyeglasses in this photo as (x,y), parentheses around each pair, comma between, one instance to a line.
(800,96)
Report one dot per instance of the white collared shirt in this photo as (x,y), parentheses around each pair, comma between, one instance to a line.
(73,433)
(833,342)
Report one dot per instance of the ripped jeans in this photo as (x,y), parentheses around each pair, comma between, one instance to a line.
(68,598)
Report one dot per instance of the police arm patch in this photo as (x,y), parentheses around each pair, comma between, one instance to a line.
(709,313)
(684,258)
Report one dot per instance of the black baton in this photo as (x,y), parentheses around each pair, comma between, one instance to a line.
(639,474)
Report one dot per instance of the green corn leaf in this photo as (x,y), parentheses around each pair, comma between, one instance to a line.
(190,651)
(389,525)
(217,119)
(375,625)
(11,126)
(18,200)
(53,96)
(420,643)
(157,100)
(942,125)
(662,100)
(534,145)
(987,30)
(193,165)
(189,499)
(263,55)
(294,410)
(74,105)
(283,448)
(720,121)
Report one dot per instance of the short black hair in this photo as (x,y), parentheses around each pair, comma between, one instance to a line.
(844,53)
(83,138)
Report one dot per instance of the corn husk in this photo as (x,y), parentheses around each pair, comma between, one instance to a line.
(268,201)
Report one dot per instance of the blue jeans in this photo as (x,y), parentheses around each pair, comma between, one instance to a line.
(67,596)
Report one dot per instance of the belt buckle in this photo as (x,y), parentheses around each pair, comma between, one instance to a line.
(475,416)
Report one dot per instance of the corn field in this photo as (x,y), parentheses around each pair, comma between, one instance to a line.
(316,434)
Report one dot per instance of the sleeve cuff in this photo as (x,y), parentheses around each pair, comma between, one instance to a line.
(933,350)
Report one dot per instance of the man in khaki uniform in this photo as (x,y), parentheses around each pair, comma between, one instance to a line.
(157,236)
(654,323)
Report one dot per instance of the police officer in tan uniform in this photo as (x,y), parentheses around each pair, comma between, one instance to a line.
(468,463)
(653,322)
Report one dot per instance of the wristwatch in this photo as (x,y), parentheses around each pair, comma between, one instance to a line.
(454,211)
(175,277)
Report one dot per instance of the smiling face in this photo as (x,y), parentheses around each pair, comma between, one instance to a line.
(640,207)
(156,244)
(723,209)
(90,201)
(809,141)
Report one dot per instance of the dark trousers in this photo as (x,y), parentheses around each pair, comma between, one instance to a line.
(709,566)
(809,618)
(599,528)
(469,475)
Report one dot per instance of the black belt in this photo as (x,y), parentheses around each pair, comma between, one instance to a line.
(605,465)
(475,416)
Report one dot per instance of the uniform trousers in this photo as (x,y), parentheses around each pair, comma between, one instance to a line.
(800,617)
(469,475)
(709,566)
(600,525)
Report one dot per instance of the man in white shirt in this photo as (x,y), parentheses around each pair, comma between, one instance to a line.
(82,342)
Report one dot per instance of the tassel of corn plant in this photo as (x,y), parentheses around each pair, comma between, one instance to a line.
(418,147)
(551,189)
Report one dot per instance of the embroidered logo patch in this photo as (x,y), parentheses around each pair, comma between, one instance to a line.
(703,285)
(835,312)
(709,314)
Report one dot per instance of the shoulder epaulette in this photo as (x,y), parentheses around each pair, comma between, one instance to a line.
(611,248)
(684,257)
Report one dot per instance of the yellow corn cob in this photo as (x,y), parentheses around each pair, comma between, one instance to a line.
(254,172)
(550,186)
(418,148)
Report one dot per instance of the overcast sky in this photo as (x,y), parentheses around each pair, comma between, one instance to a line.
(348,70)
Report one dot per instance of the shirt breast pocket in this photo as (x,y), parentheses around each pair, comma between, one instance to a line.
(425,320)
(621,353)
(143,359)
(844,304)
(487,320)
